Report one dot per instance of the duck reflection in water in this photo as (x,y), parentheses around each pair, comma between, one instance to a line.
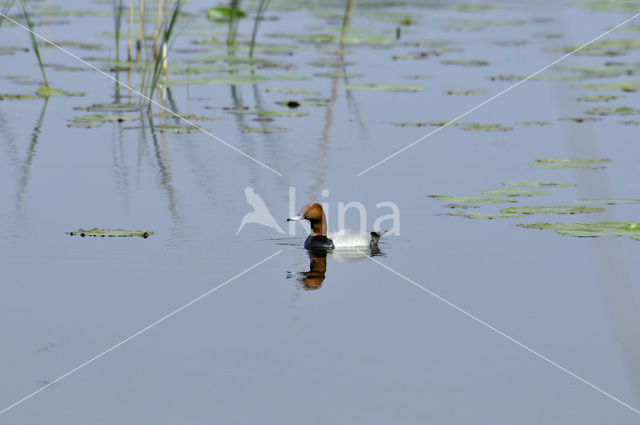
(313,278)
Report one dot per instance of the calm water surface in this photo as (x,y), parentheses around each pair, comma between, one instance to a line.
(316,340)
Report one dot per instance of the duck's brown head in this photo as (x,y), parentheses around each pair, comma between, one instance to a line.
(315,214)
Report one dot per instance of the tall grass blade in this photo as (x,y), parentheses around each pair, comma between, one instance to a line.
(161,59)
(34,43)
(118,8)
(233,23)
(262,9)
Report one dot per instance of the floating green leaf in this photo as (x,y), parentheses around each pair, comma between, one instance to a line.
(292,90)
(625,86)
(465,62)
(265,129)
(476,126)
(630,122)
(589,230)
(598,97)
(538,123)
(8,96)
(46,91)
(610,201)
(471,199)
(383,87)
(559,209)
(460,206)
(464,92)
(100,119)
(611,110)
(512,191)
(110,233)
(224,14)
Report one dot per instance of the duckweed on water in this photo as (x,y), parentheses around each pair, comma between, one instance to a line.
(384,87)
(630,229)
(571,163)
(111,233)
(512,191)
(471,199)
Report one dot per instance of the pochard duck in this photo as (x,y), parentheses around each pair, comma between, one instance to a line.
(320,239)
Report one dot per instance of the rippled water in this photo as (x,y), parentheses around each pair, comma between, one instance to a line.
(303,338)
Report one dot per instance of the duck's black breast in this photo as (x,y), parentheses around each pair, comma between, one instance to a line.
(318,242)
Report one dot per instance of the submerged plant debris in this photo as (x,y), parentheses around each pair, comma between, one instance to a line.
(120,233)
(477,126)
(629,229)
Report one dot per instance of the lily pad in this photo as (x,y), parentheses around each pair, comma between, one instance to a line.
(111,233)
(46,91)
(460,206)
(384,87)
(610,201)
(539,184)
(465,62)
(611,110)
(558,209)
(471,199)
(598,97)
(571,163)
(630,122)
(100,119)
(463,92)
(625,86)
(224,14)
(166,128)
(589,230)
(512,191)
(265,129)
(476,126)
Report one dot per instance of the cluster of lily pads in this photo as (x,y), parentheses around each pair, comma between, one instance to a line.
(464,206)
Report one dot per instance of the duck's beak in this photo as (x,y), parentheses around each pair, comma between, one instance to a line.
(296,217)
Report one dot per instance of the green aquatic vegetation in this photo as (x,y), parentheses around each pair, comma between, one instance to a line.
(610,201)
(472,199)
(580,119)
(265,129)
(509,43)
(384,87)
(338,74)
(571,163)
(630,122)
(262,9)
(100,119)
(303,102)
(556,209)
(538,77)
(465,62)
(539,184)
(611,110)
(486,22)
(417,76)
(605,71)
(291,90)
(603,47)
(610,6)
(512,191)
(109,107)
(477,126)
(72,43)
(231,79)
(46,91)
(10,50)
(9,96)
(629,229)
(425,43)
(409,124)
(598,97)
(466,214)
(463,92)
(349,39)
(625,86)
(111,233)
(538,123)
(190,117)
(282,113)
(460,206)
(176,129)
(208,68)
(224,14)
